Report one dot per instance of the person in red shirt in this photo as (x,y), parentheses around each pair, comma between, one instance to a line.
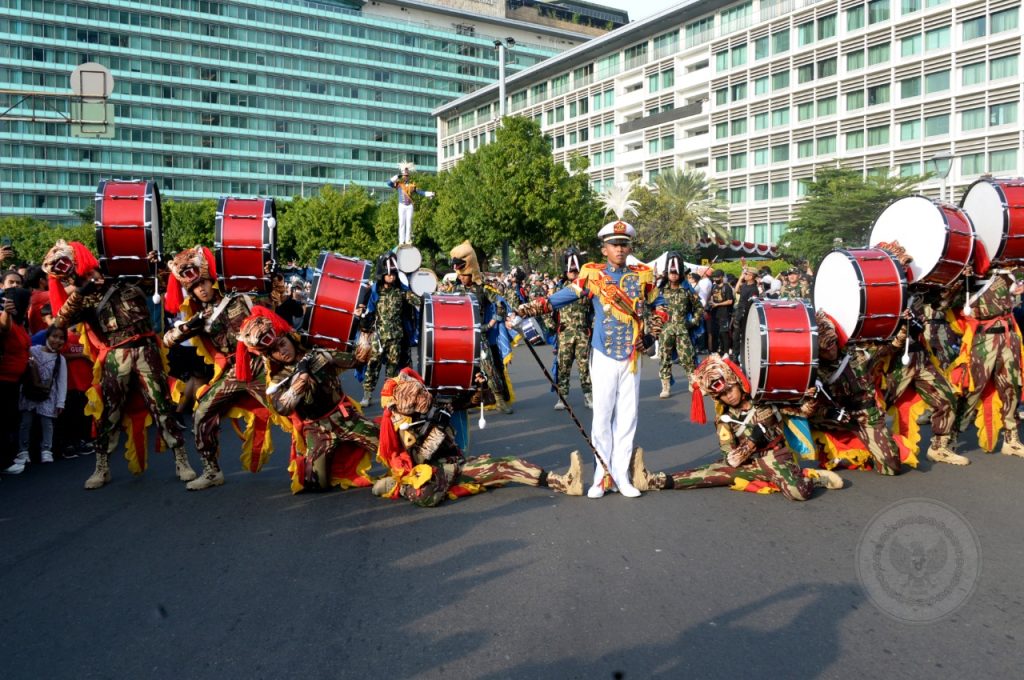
(13,360)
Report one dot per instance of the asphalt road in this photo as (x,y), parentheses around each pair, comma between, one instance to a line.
(145,580)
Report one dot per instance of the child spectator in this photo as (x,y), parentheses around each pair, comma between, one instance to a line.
(52,371)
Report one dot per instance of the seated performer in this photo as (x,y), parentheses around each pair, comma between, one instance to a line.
(120,333)
(213,321)
(332,440)
(752,440)
(425,465)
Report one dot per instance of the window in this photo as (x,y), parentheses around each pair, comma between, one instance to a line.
(972,119)
(826,145)
(780,41)
(805,149)
(936,125)
(910,130)
(739,55)
(780,153)
(936,82)
(827,67)
(761,85)
(909,6)
(855,100)
(780,117)
(878,135)
(668,78)
(739,126)
(1005,20)
(805,111)
(910,87)
(878,10)
(608,66)
(827,27)
(739,91)
(910,45)
(738,161)
(760,157)
(827,106)
(879,94)
(1003,161)
(722,96)
(699,32)
(761,233)
(780,189)
(761,48)
(1003,67)
(855,60)
(780,80)
(722,195)
(805,73)
(739,233)
(910,169)
(972,164)
(738,195)
(972,74)
(878,54)
(721,163)
(805,34)
(1002,114)
(722,61)
(937,39)
(761,192)
(855,140)
(778,229)
(855,18)
(761,121)
(721,130)
(973,28)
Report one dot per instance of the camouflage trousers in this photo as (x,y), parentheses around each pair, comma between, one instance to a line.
(127,369)
(494,370)
(995,358)
(573,345)
(471,476)
(931,384)
(326,438)
(777,467)
(675,338)
(869,424)
(216,401)
(388,353)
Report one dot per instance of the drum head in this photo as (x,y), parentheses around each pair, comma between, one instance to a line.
(754,347)
(919,225)
(837,287)
(408,257)
(423,282)
(985,204)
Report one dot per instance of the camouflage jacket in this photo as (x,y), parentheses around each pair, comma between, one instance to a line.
(996,300)
(391,308)
(221,330)
(853,387)
(116,313)
(576,317)
(795,291)
(750,436)
(680,303)
(322,394)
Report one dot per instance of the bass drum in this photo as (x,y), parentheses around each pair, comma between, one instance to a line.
(127,226)
(864,290)
(245,239)
(340,285)
(450,342)
(939,236)
(996,207)
(780,350)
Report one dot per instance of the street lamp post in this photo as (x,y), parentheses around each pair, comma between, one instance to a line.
(942,163)
(502,47)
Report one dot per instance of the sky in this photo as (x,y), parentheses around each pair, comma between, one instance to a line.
(640,9)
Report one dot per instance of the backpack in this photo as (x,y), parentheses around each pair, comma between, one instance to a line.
(34,388)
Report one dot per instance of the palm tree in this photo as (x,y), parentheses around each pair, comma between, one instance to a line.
(680,209)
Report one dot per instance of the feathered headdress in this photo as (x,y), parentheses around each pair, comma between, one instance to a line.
(406,168)
(616,200)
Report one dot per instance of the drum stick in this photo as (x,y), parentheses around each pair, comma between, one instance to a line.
(482,423)
(568,408)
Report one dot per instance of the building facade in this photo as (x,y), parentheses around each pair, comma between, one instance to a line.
(245,97)
(760,93)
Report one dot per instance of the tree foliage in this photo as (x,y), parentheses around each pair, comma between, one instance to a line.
(513,190)
(840,204)
(677,211)
(334,220)
(32,238)
(186,224)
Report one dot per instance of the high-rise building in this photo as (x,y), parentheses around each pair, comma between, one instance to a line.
(251,97)
(759,93)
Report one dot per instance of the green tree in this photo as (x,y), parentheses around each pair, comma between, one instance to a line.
(186,224)
(334,220)
(840,204)
(32,238)
(513,190)
(677,211)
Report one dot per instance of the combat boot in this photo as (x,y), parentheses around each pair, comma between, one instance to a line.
(102,473)
(826,479)
(559,405)
(588,400)
(212,476)
(1011,443)
(642,478)
(383,486)
(666,388)
(571,483)
(182,467)
(503,405)
(367,399)
(940,452)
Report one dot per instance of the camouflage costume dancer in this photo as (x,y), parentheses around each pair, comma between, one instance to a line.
(333,441)
(424,464)
(684,310)
(752,442)
(941,338)
(213,325)
(575,323)
(470,280)
(794,286)
(848,398)
(989,364)
(384,321)
(119,330)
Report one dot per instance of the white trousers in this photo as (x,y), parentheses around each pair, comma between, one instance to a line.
(404,223)
(616,394)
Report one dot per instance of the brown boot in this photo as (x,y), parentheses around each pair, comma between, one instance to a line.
(940,451)
(666,388)
(182,467)
(642,478)
(1011,443)
(102,474)
(826,479)
(571,483)
(212,476)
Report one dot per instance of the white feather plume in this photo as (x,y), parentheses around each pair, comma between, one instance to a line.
(616,200)
(406,166)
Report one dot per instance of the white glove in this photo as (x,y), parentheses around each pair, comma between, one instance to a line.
(394,179)
(428,194)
